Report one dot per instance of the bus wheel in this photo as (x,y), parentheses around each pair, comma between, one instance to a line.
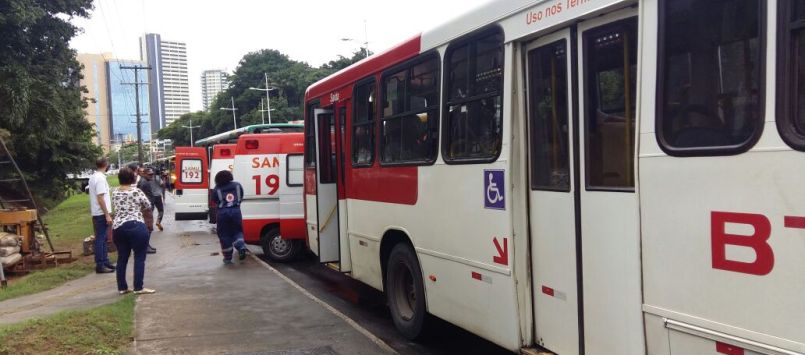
(405,292)
(276,248)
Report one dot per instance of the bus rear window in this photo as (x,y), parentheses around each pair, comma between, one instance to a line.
(191,171)
(711,76)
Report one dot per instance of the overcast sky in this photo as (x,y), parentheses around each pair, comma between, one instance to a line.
(218,33)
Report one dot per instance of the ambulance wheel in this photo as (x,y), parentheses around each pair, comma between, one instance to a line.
(276,248)
(405,292)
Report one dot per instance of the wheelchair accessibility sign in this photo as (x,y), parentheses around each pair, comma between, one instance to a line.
(494,190)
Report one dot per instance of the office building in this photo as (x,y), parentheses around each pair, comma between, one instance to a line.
(170,88)
(213,82)
(122,106)
(97,111)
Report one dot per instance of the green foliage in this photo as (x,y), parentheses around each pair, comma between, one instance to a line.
(43,280)
(290,77)
(40,96)
(104,330)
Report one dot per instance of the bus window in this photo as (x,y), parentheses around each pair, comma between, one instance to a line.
(710,76)
(310,137)
(409,126)
(327,168)
(791,112)
(362,125)
(474,117)
(550,160)
(611,70)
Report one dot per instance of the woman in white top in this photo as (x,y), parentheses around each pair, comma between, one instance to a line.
(129,231)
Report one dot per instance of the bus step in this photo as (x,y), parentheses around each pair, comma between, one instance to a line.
(535,351)
(334,266)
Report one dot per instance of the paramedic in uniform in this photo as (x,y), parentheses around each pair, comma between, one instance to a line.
(228,195)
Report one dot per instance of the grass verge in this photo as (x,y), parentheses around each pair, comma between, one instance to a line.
(103,330)
(69,223)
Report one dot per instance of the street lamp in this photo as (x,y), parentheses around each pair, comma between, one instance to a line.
(268,98)
(263,111)
(233,109)
(365,42)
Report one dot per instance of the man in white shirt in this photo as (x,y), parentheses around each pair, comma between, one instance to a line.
(100,206)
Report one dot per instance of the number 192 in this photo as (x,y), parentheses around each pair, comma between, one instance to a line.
(272,181)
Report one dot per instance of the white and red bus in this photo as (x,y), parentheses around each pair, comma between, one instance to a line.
(270,168)
(581,176)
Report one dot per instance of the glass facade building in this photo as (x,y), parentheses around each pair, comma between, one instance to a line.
(122,103)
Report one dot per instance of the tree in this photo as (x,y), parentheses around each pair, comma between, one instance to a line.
(40,94)
(290,77)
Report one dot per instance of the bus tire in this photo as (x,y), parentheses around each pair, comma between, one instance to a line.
(276,248)
(405,292)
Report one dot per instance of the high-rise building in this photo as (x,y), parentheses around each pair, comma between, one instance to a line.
(170,88)
(94,79)
(213,82)
(122,102)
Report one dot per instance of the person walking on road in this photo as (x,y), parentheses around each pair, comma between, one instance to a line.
(101,208)
(228,195)
(130,234)
(157,191)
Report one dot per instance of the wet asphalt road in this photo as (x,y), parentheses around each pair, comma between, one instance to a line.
(367,307)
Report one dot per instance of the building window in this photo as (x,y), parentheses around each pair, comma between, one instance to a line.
(548,117)
(710,76)
(474,107)
(410,116)
(363,131)
(791,85)
(610,91)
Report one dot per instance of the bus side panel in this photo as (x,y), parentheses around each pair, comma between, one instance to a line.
(465,247)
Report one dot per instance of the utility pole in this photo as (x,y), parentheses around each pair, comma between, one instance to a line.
(262,112)
(268,97)
(137,84)
(190,127)
(233,109)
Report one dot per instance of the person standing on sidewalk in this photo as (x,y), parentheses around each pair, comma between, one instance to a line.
(157,191)
(148,213)
(101,208)
(228,195)
(130,234)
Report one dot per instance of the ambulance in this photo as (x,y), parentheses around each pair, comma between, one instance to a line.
(191,184)
(270,168)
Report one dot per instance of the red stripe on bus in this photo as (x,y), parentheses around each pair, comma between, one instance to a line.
(547,290)
(728,349)
(795,222)
(477,276)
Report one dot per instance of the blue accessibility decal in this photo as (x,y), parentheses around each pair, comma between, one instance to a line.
(494,189)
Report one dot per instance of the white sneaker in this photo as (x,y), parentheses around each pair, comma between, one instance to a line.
(145,291)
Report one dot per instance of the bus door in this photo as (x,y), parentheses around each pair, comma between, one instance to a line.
(326,187)
(583,209)
(192,184)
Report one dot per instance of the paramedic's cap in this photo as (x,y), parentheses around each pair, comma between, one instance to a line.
(149,171)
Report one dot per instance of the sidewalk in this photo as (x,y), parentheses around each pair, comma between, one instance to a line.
(204,307)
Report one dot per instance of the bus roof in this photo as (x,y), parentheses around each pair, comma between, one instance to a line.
(231,136)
